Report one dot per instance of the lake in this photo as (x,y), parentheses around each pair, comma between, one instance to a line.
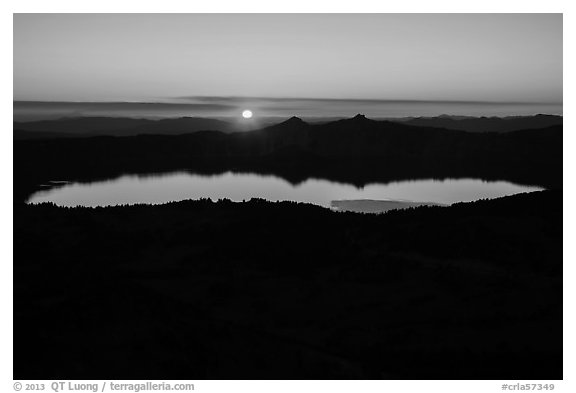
(177,186)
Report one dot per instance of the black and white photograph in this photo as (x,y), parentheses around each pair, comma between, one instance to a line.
(288,196)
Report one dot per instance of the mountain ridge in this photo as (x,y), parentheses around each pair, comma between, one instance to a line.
(125,126)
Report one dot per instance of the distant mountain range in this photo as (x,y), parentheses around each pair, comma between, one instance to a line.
(119,126)
(485,124)
(115,126)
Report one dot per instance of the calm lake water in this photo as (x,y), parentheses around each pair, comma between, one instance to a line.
(132,189)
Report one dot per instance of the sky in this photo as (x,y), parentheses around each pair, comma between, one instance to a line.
(219,58)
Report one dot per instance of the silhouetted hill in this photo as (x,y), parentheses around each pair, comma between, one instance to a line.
(356,151)
(26,135)
(486,124)
(259,290)
(112,126)
(118,126)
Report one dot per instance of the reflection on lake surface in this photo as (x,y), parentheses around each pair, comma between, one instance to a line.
(131,189)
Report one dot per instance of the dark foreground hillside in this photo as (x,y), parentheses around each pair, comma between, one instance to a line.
(259,290)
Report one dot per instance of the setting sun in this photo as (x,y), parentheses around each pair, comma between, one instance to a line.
(247,114)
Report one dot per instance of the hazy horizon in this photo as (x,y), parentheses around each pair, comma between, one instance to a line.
(288,58)
(267,107)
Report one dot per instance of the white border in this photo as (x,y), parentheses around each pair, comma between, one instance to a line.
(436,6)
(263,6)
